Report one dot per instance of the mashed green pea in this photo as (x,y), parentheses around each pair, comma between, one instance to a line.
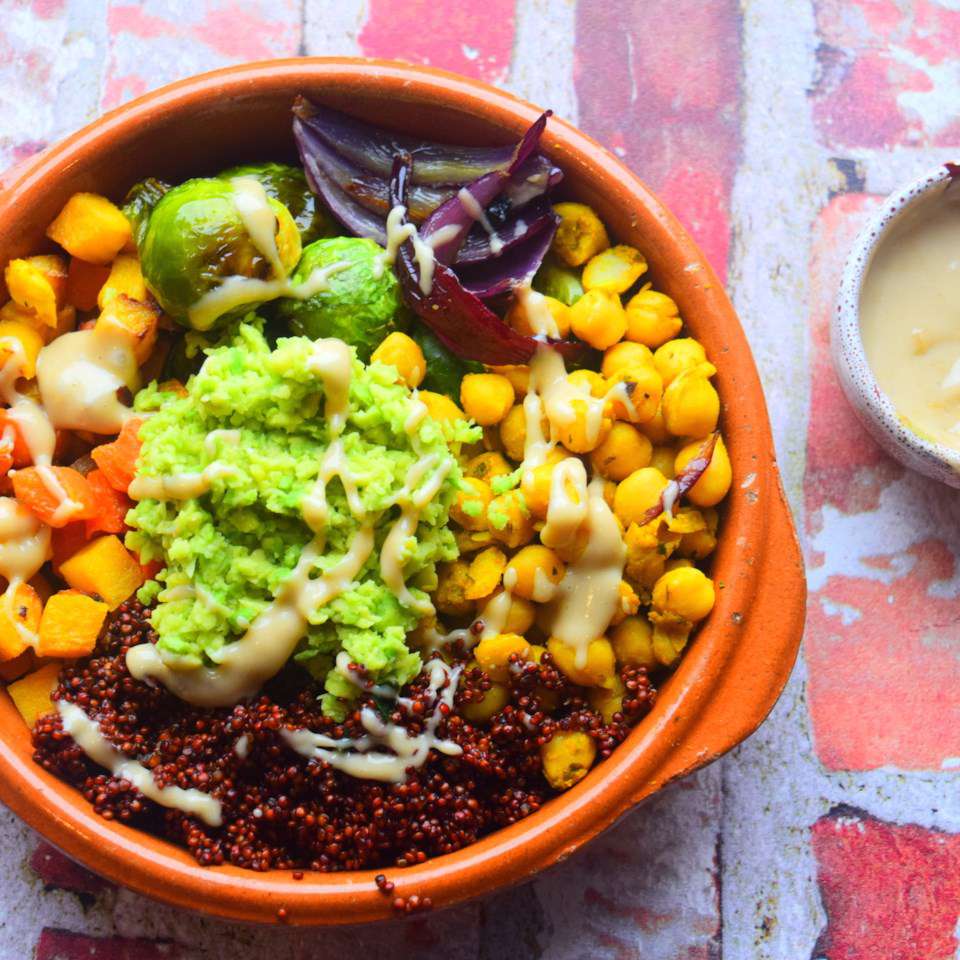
(259,414)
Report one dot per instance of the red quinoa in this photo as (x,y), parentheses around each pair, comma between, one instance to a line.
(283,811)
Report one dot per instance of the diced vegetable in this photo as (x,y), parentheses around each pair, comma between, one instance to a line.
(118,460)
(90,227)
(112,506)
(38,284)
(32,695)
(70,625)
(19,452)
(125,278)
(22,338)
(136,318)
(84,281)
(20,612)
(567,758)
(31,490)
(581,234)
(106,568)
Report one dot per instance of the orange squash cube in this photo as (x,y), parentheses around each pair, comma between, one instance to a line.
(136,319)
(125,277)
(23,338)
(19,615)
(32,695)
(90,227)
(106,568)
(70,625)
(38,284)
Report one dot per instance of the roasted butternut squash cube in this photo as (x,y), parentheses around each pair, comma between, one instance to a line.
(136,319)
(125,277)
(19,619)
(70,625)
(32,695)
(38,284)
(23,339)
(90,227)
(84,282)
(106,568)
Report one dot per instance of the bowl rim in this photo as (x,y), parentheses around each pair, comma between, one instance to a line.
(871,403)
(730,676)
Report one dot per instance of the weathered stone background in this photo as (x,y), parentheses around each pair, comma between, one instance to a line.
(772,127)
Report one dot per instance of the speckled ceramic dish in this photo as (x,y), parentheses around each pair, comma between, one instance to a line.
(733,671)
(872,405)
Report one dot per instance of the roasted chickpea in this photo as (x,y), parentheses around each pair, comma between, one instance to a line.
(520,617)
(652,318)
(509,519)
(533,573)
(635,394)
(632,642)
(586,431)
(663,459)
(637,494)
(453,580)
(675,563)
(685,593)
(608,702)
(567,758)
(492,702)
(714,483)
(486,466)
(513,432)
(691,405)
(440,407)
(598,318)
(486,397)
(470,507)
(590,381)
(676,356)
(623,356)
(518,375)
(615,269)
(581,234)
(624,450)
(403,353)
(535,484)
(597,670)
(701,543)
(493,654)
(655,429)
(518,316)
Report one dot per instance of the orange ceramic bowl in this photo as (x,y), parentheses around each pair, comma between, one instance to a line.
(734,669)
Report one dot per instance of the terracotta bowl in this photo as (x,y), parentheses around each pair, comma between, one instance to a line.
(738,663)
(874,408)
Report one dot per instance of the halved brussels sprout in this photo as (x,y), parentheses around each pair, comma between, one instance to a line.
(141,198)
(195,240)
(445,369)
(557,280)
(289,185)
(361,303)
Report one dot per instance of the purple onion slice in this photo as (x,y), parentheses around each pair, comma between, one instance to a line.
(684,480)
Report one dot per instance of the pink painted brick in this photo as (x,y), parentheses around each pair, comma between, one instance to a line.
(890,891)
(64,945)
(667,100)
(58,871)
(473,37)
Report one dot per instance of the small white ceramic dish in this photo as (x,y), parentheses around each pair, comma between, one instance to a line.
(871,404)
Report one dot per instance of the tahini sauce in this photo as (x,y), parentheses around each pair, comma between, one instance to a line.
(910,317)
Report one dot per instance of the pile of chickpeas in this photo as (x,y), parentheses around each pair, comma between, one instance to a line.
(640,446)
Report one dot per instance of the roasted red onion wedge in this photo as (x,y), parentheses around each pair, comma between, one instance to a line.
(461,321)
(684,480)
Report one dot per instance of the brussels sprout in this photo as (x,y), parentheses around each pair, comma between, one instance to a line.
(361,303)
(289,185)
(445,370)
(141,198)
(196,239)
(555,279)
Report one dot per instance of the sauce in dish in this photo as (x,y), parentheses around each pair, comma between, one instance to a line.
(910,317)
